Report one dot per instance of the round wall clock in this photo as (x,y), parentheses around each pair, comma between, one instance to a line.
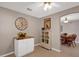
(21,23)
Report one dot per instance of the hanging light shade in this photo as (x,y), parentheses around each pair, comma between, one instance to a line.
(66,20)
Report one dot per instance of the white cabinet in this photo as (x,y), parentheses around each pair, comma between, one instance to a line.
(23,46)
(46,33)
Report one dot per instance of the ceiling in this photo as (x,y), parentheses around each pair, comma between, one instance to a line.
(37,7)
(71,17)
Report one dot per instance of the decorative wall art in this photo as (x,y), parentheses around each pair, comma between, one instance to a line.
(47,23)
(21,23)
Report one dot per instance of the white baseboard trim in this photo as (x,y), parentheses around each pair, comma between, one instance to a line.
(7,54)
(13,51)
(37,44)
(56,50)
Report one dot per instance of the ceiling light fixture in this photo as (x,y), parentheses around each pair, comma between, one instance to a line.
(47,5)
(66,20)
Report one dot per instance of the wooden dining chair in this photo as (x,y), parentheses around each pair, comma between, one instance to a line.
(71,40)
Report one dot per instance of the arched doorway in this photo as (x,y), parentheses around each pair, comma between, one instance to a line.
(74,10)
(69,25)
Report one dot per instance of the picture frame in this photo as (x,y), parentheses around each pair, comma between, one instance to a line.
(47,23)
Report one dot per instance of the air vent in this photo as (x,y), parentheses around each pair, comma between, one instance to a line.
(29,9)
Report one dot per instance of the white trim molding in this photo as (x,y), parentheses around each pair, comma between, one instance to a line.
(7,54)
(37,44)
(13,51)
(56,50)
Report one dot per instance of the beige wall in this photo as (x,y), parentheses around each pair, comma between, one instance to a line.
(55,32)
(8,29)
(56,25)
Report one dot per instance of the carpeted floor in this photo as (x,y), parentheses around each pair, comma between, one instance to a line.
(65,52)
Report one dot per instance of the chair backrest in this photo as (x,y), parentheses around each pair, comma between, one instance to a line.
(63,35)
(74,36)
(71,37)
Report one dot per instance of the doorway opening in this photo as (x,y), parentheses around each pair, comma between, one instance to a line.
(69,36)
